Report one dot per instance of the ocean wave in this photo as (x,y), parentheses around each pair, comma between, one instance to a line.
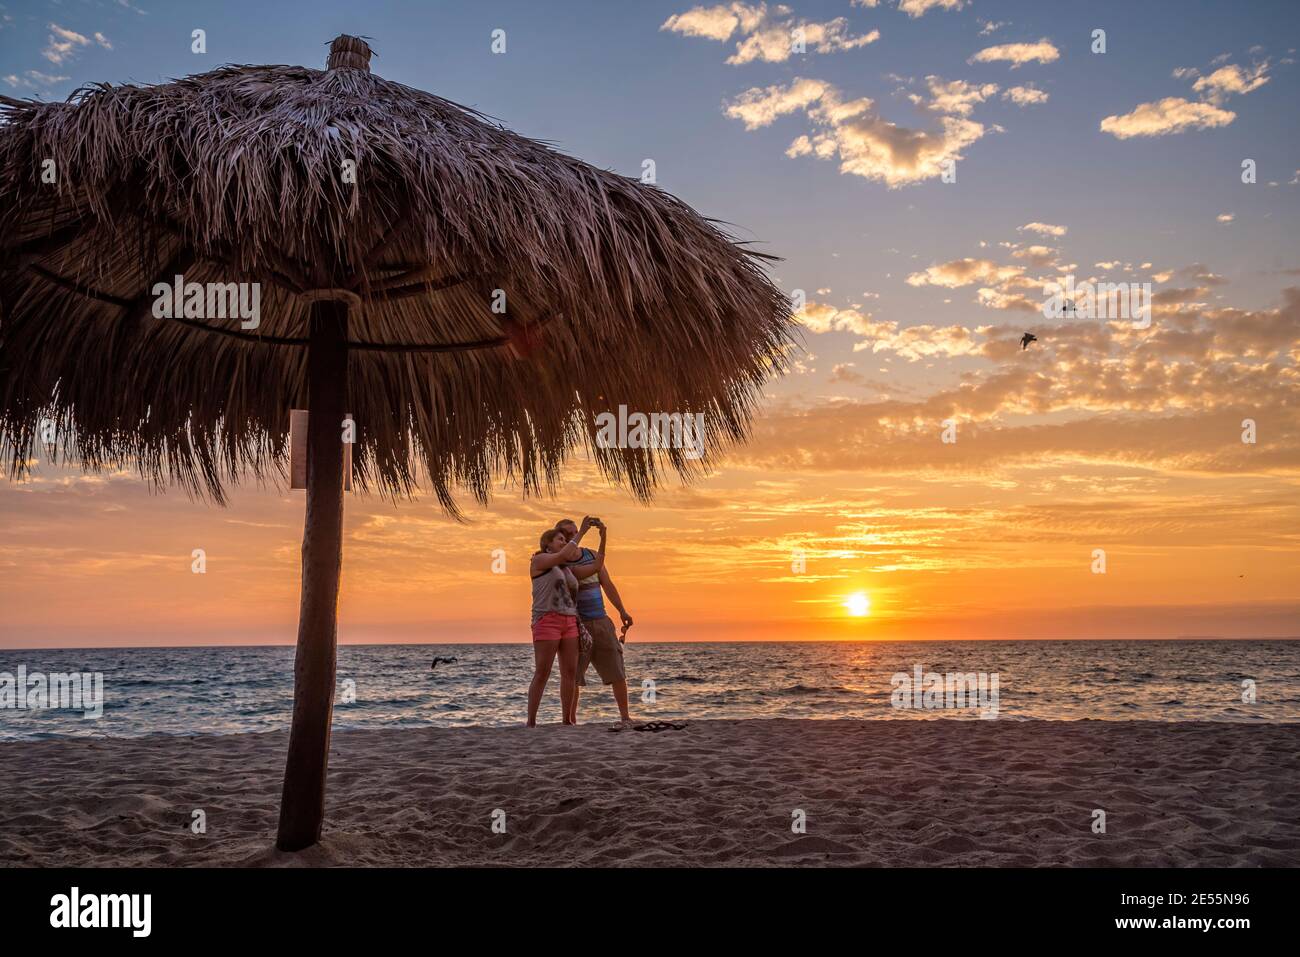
(192,691)
(801,689)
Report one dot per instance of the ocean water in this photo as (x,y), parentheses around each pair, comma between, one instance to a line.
(229,690)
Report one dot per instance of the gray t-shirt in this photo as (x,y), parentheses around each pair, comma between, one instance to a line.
(553,591)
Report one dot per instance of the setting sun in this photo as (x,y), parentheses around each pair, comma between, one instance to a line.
(858,604)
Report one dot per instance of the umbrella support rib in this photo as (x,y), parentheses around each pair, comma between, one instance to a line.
(302,805)
(405,289)
(80,288)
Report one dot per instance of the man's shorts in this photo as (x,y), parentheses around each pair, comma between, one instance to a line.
(553,626)
(606,652)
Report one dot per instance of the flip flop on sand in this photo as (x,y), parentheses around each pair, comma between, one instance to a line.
(630,725)
(659,726)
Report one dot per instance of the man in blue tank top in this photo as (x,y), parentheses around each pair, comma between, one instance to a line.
(607,647)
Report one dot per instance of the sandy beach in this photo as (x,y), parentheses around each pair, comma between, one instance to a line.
(927,793)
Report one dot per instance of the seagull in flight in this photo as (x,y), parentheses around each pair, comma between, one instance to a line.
(1027,338)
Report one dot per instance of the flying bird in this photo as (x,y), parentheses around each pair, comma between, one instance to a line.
(1027,338)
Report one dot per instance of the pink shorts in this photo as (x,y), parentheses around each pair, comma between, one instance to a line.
(553,626)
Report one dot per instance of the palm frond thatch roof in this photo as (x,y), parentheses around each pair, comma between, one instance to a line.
(241,175)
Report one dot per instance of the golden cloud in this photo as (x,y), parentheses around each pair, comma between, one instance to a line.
(867,145)
(1018,54)
(1173,114)
(957,96)
(1231,79)
(964,272)
(1028,95)
(762,37)
(1043,229)
(918,8)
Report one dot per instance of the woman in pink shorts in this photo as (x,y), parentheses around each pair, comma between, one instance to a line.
(555,617)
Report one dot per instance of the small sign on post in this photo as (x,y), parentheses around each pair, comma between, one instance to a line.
(298,451)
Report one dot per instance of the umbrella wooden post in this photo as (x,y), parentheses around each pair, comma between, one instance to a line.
(302,805)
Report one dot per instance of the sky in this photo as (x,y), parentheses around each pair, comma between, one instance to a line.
(923,168)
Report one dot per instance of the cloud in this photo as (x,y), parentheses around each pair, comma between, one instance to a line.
(1010,297)
(760,107)
(1200,274)
(819,317)
(912,343)
(1016,287)
(844,372)
(1173,114)
(915,343)
(763,37)
(1037,255)
(774,44)
(1231,79)
(716,23)
(1171,396)
(964,272)
(852,130)
(63,44)
(1025,95)
(918,8)
(1043,229)
(1018,54)
(33,80)
(958,96)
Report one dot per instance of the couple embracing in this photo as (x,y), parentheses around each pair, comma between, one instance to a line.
(569,620)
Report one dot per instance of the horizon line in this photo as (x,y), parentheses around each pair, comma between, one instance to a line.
(751,641)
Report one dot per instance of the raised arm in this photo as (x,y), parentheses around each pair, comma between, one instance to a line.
(541,562)
(599,564)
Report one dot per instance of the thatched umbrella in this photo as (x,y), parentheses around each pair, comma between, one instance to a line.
(471,298)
